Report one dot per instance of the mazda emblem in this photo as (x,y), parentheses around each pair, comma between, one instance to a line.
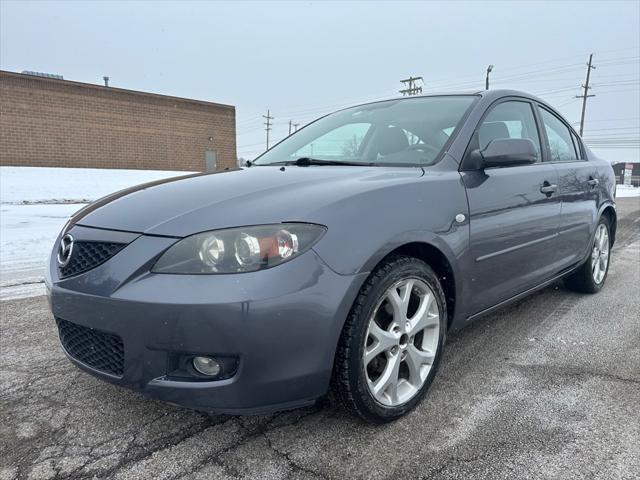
(65,250)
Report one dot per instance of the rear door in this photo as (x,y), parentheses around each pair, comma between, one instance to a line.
(578,182)
(514,212)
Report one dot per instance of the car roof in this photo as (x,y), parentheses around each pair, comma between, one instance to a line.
(488,97)
(504,92)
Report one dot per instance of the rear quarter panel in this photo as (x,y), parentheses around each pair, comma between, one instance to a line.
(606,187)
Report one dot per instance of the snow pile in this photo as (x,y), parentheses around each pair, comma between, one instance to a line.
(625,191)
(69,185)
(35,203)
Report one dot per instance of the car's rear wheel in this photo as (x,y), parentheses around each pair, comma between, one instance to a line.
(590,277)
(392,342)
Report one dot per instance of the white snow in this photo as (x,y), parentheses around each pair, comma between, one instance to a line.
(624,191)
(35,203)
(33,184)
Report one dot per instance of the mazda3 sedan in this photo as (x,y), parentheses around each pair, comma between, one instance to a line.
(337,260)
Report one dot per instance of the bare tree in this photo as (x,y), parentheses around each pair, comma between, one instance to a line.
(351,147)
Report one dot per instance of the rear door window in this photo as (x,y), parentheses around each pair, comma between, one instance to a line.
(577,144)
(561,144)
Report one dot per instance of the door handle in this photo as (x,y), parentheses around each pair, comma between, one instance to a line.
(593,182)
(548,188)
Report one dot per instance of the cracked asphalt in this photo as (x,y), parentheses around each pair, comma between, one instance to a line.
(547,388)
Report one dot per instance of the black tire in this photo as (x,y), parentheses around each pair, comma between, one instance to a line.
(348,379)
(581,280)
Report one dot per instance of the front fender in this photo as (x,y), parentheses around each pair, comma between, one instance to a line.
(373,224)
(368,228)
(426,238)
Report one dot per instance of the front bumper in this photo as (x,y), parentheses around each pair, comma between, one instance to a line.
(282,323)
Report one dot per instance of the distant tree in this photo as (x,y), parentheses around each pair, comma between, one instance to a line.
(350,147)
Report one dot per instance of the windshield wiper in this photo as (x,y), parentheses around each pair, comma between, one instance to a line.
(306,161)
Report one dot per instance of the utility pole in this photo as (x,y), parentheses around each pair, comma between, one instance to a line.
(412,88)
(486,82)
(295,127)
(268,117)
(289,127)
(586,93)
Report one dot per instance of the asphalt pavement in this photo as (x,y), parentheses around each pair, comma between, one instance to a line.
(547,388)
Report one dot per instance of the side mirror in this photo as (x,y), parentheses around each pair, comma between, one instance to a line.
(504,152)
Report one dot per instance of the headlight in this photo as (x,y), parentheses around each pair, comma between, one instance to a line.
(236,250)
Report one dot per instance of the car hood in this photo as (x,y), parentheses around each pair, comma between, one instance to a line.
(252,196)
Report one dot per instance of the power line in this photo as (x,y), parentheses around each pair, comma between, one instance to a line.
(614,119)
(616,137)
(546,72)
(549,72)
(268,117)
(631,59)
(558,90)
(616,129)
(251,144)
(613,139)
(564,104)
(613,64)
(532,75)
(474,80)
(619,90)
(546,62)
(622,82)
(338,103)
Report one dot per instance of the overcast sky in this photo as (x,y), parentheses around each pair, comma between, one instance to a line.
(304,59)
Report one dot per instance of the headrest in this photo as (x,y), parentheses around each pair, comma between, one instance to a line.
(491,131)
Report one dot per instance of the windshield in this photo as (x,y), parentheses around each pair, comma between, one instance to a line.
(410,132)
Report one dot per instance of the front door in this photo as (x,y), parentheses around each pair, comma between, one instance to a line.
(514,213)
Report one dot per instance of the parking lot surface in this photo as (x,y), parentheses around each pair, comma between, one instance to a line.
(547,388)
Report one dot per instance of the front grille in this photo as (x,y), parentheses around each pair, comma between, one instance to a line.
(88,255)
(100,350)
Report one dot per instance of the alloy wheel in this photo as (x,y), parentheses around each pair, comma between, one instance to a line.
(401,342)
(600,254)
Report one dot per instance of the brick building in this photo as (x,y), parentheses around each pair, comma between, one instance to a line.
(48,122)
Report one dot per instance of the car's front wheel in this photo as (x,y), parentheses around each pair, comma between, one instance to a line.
(392,342)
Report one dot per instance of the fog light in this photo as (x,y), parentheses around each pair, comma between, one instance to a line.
(206,366)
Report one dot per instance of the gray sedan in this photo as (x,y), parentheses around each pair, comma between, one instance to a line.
(339,259)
